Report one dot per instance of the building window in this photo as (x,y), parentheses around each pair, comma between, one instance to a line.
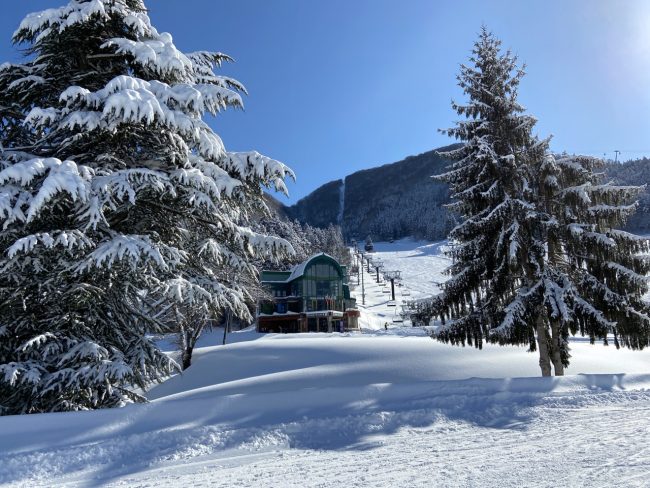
(322,288)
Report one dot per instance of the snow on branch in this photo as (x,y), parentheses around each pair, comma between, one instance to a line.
(159,54)
(69,240)
(622,271)
(27,80)
(128,182)
(261,245)
(514,313)
(39,117)
(59,19)
(62,176)
(12,201)
(134,249)
(252,166)
(36,341)
(223,181)
(603,209)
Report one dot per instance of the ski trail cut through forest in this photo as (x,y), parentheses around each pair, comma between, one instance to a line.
(339,218)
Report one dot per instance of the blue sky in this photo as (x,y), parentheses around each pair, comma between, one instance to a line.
(341,85)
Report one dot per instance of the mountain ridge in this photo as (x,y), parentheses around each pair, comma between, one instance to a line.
(400,199)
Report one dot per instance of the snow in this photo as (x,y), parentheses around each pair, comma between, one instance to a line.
(63,176)
(65,239)
(134,248)
(160,54)
(378,408)
(422,267)
(339,217)
(62,17)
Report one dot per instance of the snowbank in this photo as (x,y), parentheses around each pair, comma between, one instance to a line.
(310,391)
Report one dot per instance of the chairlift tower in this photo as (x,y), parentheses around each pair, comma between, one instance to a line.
(392,276)
(378,264)
(363,289)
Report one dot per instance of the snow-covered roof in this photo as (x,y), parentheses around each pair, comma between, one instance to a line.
(299,270)
(275,276)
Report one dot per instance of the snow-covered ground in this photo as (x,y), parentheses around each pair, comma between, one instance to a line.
(378,408)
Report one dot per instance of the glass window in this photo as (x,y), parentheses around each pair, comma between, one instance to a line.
(310,288)
(322,288)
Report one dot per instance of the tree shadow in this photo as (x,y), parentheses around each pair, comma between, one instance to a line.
(222,420)
(331,418)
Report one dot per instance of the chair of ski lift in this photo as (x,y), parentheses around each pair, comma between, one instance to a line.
(391,303)
(406,292)
(397,318)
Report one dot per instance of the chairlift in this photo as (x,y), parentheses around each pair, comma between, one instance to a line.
(391,303)
(397,319)
(406,292)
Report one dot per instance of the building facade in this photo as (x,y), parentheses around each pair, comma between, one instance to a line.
(314,296)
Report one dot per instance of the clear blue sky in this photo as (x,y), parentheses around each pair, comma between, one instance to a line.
(341,85)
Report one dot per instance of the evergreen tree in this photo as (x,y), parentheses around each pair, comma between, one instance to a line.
(118,204)
(538,255)
(594,275)
(494,251)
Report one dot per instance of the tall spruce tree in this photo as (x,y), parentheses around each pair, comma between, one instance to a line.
(537,256)
(118,204)
(494,250)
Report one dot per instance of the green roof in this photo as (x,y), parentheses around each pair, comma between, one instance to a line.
(297,271)
(274,276)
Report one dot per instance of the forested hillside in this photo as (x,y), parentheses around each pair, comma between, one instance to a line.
(401,199)
(390,201)
(320,208)
(636,172)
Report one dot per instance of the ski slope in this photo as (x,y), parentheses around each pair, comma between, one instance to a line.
(377,408)
(422,265)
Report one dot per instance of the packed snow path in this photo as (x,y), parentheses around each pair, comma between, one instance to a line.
(589,439)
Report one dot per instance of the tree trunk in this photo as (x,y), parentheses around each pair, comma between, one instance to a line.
(556,355)
(187,357)
(226,326)
(542,345)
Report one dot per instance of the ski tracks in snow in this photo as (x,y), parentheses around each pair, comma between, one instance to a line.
(595,439)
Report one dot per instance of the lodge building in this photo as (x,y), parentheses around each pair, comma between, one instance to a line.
(314,296)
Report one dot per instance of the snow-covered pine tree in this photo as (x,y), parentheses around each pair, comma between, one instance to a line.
(494,250)
(297,234)
(117,204)
(594,275)
(538,255)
